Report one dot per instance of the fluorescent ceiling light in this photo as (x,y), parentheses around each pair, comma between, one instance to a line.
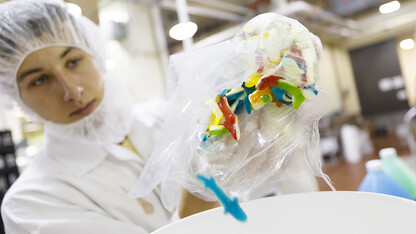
(389,7)
(183,31)
(74,9)
(407,44)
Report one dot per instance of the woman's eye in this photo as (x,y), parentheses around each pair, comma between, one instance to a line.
(73,62)
(39,80)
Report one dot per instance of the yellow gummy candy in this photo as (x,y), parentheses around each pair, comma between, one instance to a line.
(217,121)
(218,115)
(253,79)
(217,99)
(211,120)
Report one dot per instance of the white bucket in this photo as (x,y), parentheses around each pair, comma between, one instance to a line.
(308,213)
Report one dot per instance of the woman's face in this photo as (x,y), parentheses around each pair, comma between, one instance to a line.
(61,84)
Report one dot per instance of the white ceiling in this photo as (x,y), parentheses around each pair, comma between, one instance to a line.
(354,32)
(357,29)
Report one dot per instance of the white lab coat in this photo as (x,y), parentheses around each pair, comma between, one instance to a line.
(75,187)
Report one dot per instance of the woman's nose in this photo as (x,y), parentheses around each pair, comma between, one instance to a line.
(72,92)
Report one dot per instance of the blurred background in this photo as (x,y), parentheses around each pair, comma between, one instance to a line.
(368,69)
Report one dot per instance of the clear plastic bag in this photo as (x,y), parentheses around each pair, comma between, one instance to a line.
(273,139)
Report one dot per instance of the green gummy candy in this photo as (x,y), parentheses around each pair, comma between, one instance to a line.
(290,88)
(296,92)
(265,98)
(218,130)
(298,100)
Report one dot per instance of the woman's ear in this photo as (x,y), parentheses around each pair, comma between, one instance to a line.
(318,46)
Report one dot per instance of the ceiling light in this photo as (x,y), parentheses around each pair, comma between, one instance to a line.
(183,31)
(74,9)
(407,44)
(389,7)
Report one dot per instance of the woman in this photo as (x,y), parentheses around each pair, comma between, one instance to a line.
(52,67)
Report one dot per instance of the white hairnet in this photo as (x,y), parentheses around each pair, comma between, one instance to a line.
(29,25)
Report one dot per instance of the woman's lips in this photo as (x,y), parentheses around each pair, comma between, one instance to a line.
(85,110)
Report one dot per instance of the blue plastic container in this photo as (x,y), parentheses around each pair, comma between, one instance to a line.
(377,181)
(397,169)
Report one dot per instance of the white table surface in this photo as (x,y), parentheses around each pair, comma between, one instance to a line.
(308,213)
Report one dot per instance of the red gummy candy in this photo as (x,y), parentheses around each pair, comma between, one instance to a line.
(230,119)
(266,82)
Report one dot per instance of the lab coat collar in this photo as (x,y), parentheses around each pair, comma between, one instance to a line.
(78,156)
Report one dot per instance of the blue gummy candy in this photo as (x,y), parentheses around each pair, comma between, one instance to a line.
(280,94)
(230,102)
(231,206)
(222,94)
(246,101)
(313,88)
(239,108)
(247,105)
